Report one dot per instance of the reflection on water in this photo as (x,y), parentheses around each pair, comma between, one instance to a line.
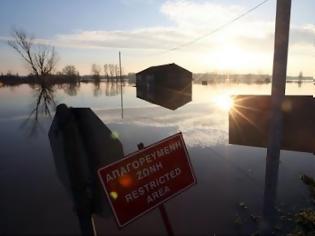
(227,199)
(169,98)
(224,102)
(97,88)
(44,105)
(112,88)
(71,89)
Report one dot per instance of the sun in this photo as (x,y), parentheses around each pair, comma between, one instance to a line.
(224,102)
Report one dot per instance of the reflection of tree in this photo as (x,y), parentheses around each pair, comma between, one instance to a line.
(300,79)
(112,88)
(71,88)
(96,72)
(44,104)
(97,88)
(111,72)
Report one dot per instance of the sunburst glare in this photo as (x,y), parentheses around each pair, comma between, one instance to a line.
(224,102)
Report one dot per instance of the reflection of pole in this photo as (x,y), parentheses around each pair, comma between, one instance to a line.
(121,88)
(277,96)
(162,209)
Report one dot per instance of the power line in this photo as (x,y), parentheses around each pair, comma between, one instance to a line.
(216,29)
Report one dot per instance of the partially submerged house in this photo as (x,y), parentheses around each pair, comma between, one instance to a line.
(167,85)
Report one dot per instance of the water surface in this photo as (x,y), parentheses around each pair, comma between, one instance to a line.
(33,200)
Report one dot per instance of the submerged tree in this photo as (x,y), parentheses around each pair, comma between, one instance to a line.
(40,59)
(70,72)
(72,77)
(96,72)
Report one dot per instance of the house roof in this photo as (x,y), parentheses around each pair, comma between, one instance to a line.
(153,69)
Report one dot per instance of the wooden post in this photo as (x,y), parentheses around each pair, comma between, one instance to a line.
(277,95)
(162,209)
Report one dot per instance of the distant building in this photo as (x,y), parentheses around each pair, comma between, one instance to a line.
(204,82)
(166,76)
(167,85)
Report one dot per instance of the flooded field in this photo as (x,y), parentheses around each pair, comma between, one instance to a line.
(228,197)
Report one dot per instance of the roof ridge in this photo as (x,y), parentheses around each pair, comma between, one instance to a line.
(163,65)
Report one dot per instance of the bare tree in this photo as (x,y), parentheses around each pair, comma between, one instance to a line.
(70,71)
(117,72)
(96,71)
(300,75)
(112,71)
(106,69)
(41,59)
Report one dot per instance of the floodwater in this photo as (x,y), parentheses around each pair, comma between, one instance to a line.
(230,178)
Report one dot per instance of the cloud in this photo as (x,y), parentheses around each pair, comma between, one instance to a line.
(303,35)
(191,20)
(251,38)
(202,15)
(148,38)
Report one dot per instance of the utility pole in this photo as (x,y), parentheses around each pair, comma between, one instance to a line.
(121,88)
(279,74)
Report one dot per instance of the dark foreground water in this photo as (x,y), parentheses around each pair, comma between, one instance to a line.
(33,200)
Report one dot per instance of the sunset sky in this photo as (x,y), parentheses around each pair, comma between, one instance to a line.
(86,32)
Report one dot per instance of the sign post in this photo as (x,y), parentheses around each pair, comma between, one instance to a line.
(279,74)
(162,209)
(145,179)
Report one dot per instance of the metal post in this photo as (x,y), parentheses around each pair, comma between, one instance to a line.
(162,209)
(277,95)
(121,88)
(166,220)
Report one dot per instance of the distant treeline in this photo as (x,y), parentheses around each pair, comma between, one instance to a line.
(10,79)
(243,78)
(233,78)
(59,78)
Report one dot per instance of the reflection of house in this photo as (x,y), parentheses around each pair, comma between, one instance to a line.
(167,85)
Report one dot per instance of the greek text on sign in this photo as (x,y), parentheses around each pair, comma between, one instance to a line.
(145,179)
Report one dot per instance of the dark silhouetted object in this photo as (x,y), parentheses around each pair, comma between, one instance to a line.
(277,124)
(169,86)
(82,143)
(249,122)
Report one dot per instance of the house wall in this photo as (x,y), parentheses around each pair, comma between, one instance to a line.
(171,77)
(170,87)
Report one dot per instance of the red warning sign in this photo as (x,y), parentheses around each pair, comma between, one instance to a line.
(145,179)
